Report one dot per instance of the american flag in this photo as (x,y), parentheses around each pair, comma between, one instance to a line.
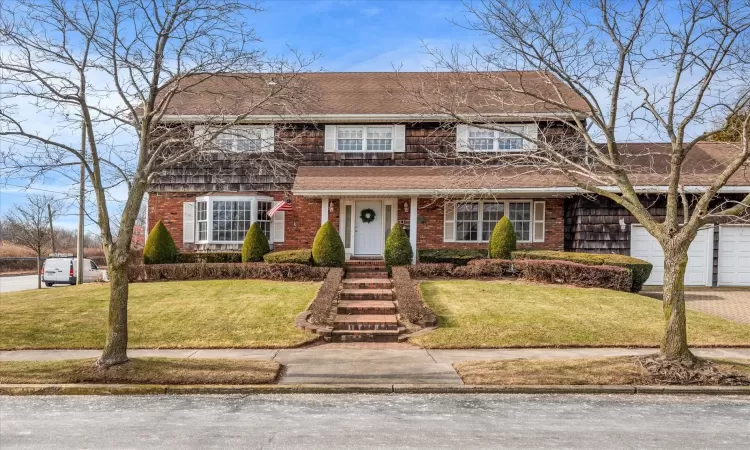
(281,206)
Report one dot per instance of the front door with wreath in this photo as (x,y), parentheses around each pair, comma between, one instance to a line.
(368,228)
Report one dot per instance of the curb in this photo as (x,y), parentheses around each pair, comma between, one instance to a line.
(157,389)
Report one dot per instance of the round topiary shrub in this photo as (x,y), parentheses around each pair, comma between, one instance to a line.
(398,251)
(255,245)
(159,248)
(328,249)
(503,239)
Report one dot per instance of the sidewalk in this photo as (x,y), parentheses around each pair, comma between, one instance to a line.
(369,364)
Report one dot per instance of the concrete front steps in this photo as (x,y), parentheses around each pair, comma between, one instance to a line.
(366,311)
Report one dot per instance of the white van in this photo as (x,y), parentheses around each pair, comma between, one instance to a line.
(64,271)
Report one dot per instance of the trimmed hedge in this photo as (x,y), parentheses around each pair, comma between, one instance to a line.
(410,304)
(289,256)
(566,272)
(639,268)
(485,268)
(458,257)
(328,249)
(398,251)
(503,239)
(429,270)
(321,308)
(159,248)
(209,257)
(255,245)
(217,271)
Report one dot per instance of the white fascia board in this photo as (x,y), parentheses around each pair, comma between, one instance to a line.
(341,118)
(505,191)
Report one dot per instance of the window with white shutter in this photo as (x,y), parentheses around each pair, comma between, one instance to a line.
(449,222)
(188,222)
(278,226)
(538,221)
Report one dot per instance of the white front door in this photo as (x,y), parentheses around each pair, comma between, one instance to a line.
(700,256)
(368,237)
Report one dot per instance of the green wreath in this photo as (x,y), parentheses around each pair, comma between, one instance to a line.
(367,215)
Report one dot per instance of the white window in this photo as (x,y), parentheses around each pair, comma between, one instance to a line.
(365,138)
(240,138)
(474,221)
(223,219)
(495,138)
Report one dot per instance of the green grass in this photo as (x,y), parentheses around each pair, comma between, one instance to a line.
(190,314)
(142,371)
(495,314)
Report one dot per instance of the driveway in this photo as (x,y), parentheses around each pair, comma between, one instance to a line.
(730,303)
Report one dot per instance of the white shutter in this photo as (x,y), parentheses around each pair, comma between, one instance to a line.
(278,226)
(449,222)
(462,138)
(399,138)
(267,135)
(330,145)
(538,222)
(188,222)
(531,131)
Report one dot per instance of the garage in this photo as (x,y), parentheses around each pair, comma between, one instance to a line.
(700,256)
(734,255)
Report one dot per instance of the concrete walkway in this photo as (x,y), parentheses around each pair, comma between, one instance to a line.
(368,364)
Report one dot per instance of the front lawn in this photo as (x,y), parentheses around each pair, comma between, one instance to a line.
(494,314)
(176,314)
(142,371)
(600,371)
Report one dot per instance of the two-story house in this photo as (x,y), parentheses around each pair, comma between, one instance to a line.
(364,158)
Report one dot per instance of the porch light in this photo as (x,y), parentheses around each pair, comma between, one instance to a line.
(406,207)
(330,206)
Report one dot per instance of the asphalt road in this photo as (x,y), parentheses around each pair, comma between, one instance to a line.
(20,283)
(375,421)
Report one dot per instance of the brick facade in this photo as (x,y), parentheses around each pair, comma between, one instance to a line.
(302,223)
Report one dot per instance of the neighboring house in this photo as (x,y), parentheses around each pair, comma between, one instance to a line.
(364,147)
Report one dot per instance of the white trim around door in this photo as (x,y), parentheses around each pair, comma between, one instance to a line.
(350,224)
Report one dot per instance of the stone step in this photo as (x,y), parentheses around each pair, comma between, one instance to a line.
(379,275)
(360,307)
(364,336)
(368,322)
(367,283)
(365,261)
(366,294)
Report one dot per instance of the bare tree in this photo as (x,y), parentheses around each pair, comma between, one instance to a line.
(617,71)
(27,225)
(116,68)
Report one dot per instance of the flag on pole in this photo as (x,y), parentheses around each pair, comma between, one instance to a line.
(281,206)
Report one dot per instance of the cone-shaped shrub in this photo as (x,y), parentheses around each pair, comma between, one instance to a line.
(255,245)
(159,248)
(503,239)
(398,251)
(328,249)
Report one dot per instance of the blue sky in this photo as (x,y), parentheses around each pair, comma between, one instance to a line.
(374,35)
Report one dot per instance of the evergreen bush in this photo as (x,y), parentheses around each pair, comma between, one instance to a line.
(503,239)
(328,249)
(159,248)
(255,245)
(398,251)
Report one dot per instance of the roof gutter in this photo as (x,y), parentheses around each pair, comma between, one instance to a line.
(340,118)
(503,191)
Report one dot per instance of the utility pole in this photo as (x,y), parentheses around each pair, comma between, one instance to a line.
(51,229)
(81,195)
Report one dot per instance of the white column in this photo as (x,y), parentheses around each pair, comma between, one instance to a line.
(324,211)
(413,228)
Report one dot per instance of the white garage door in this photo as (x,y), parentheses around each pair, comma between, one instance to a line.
(734,255)
(700,256)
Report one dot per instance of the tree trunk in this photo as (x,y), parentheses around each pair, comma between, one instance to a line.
(38,272)
(116,346)
(674,344)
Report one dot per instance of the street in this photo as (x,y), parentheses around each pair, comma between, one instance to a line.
(19,283)
(375,421)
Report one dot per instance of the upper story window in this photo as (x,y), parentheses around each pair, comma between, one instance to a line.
(365,138)
(239,138)
(502,138)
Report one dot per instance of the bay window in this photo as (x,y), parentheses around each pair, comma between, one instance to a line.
(225,219)
(474,221)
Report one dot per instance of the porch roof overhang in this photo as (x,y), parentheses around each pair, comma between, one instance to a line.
(421,181)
